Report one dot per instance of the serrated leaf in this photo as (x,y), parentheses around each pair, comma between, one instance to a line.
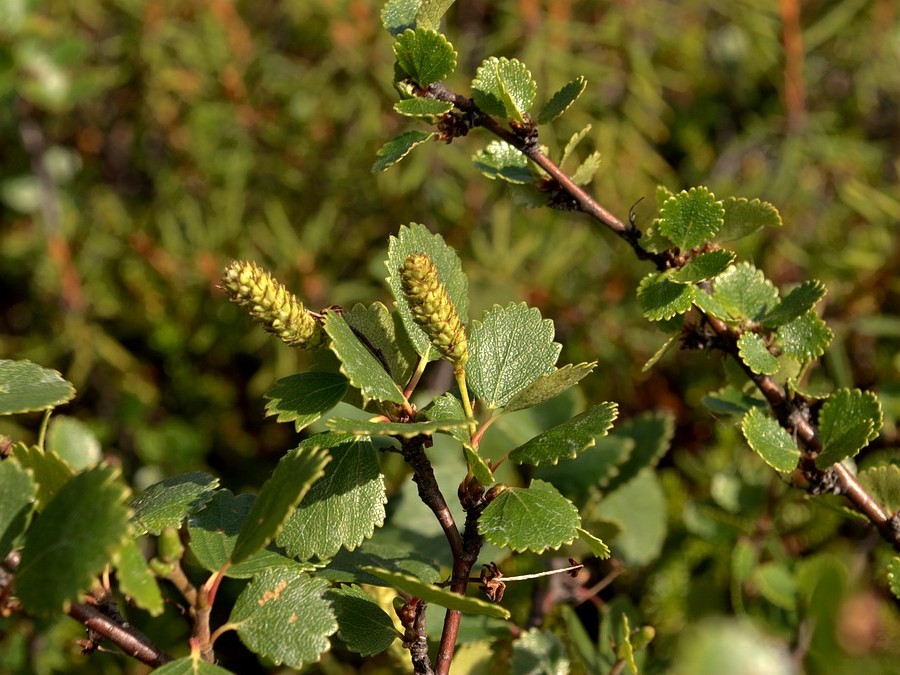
(416,238)
(664,349)
(424,55)
(509,349)
(550,385)
(595,468)
(169,502)
(448,407)
(894,576)
(539,652)
(363,626)
(501,160)
(691,218)
(743,217)
(431,12)
(191,665)
(797,303)
(530,519)
(72,541)
(74,442)
(399,147)
(708,304)
(386,337)
(303,398)
(214,531)
(702,267)
(754,352)
(584,174)
(744,292)
(347,566)
(296,472)
(343,507)
(361,366)
(731,401)
(136,580)
(573,142)
(438,596)
(651,433)
(478,467)
(504,87)
(639,506)
(422,107)
(566,440)
(848,421)
(17,494)
(770,441)
(283,616)
(49,471)
(660,298)
(26,386)
(883,484)
(404,429)
(399,15)
(598,548)
(562,100)
(805,338)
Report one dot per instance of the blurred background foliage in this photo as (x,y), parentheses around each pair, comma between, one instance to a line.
(145,143)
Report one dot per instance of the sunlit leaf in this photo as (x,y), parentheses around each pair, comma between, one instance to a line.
(743,217)
(398,148)
(797,303)
(805,338)
(755,353)
(550,385)
(530,519)
(169,502)
(691,218)
(566,440)
(424,55)
(770,441)
(562,100)
(660,298)
(26,386)
(501,160)
(504,87)
(744,292)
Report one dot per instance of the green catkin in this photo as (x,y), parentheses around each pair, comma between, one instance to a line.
(433,310)
(276,308)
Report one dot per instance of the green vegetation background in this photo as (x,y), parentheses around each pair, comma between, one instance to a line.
(145,143)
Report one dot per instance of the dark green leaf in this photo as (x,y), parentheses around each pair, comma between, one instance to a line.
(731,401)
(17,494)
(509,349)
(50,472)
(848,421)
(74,442)
(136,580)
(448,407)
(363,626)
(347,566)
(745,292)
(640,507)
(530,519)
(805,338)
(386,337)
(594,468)
(73,540)
(343,507)
(169,502)
(770,441)
(550,386)
(478,467)
(743,217)
(501,160)
(883,484)
(561,100)
(405,429)
(438,596)
(26,386)
(566,440)
(660,298)
(797,303)
(283,616)
(296,472)
(303,398)
(360,365)
(756,355)
(504,87)
(191,665)
(422,107)
(690,219)
(398,148)
(652,433)
(424,55)
(702,267)
(539,652)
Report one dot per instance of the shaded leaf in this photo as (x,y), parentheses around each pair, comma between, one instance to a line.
(509,349)
(598,548)
(566,440)
(755,353)
(584,174)
(169,502)
(49,471)
(303,398)
(652,433)
(504,87)
(640,507)
(562,100)
(425,55)
(666,347)
(74,442)
(26,386)
(478,467)
(776,584)
(805,338)
(883,484)
(770,441)
(660,298)
(539,652)
(422,107)
(501,160)
(797,303)
(405,429)
(136,580)
(744,292)
(702,267)
(448,407)
(17,494)
(349,566)
(363,626)
(399,147)
(690,218)
(743,217)
(386,336)
(594,468)
(550,385)
(731,401)
(191,665)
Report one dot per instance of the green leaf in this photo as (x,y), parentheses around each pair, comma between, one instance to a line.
(17,494)
(651,433)
(296,472)
(191,665)
(405,429)
(664,349)
(592,469)
(755,353)
(501,160)
(504,87)
(509,349)
(363,626)
(566,440)
(438,596)
(431,12)
(360,365)
(736,646)
(743,217)
(422,107)
(303,398)
(690,219)
(49,471)
(805,338)
(731,401)
(399,147)
(550,385)
(478,467)
(848,421)
(660,298)
(74,442)
(585,172)
(702,267)
(214,531)
(386,337)
(575,139)
(894,576)
(136,580)
(776,584)
(347,566)
(283,616)
(26,386)
(417,239)
(598,548)
(530,519)
(883,484)
(708,304)
(797,303)
(72,541)
(448,407)
(744,292)
(169,502)
(639,506)
(562,100)
(770,441)
(399,15)
(539,652)
(424,55)
(343,507)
